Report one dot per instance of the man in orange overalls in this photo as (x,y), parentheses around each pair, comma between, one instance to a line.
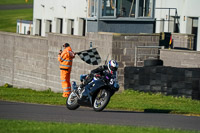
(65,58)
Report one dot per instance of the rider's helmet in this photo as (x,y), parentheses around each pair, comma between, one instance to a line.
(112,65)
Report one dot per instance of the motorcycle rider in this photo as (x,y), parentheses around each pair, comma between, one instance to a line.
(110,68)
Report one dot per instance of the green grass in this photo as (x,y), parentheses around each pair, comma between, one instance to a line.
(8,18)
(31,96)
(18,126)
(147,102)
(15,2)
(128,100)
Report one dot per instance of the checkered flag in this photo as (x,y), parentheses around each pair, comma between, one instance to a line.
(90,56)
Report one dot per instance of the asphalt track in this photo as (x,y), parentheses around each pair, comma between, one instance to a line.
(37,112)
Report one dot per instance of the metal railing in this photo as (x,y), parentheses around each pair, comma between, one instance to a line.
(137,55)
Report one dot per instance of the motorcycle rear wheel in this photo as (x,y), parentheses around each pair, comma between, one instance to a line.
(101,100)
(72,101)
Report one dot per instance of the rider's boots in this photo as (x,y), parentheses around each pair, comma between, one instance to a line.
(80,90)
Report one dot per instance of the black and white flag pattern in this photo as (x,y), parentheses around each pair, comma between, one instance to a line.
(90,56)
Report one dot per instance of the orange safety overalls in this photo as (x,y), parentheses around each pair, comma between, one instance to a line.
(65,60)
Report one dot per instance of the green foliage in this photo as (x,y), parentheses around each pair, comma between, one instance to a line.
(15,2)
(16,126)
(8,18)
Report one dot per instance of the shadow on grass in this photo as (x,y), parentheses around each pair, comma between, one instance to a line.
(157,111)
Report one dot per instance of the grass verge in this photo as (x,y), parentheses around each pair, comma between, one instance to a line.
(158,103)
(15,2)
(16,126)
(8,18)
(128,100)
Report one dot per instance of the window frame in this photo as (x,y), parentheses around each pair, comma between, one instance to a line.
(98,11)
(152,11)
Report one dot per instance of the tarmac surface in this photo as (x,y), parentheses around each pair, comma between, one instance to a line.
(37,112)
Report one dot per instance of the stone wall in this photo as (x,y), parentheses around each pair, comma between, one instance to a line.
(123,50)
(180,58)
(23,61)
(167,80)
(31,62)
(183,40)
(78,43)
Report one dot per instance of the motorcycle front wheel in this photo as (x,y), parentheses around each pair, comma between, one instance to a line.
(72,101)
(101,100)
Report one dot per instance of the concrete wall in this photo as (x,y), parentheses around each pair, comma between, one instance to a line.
(180,58)
(78,43)
(183,40)
(31,62)
(123,50)
(23,61)
(167,80)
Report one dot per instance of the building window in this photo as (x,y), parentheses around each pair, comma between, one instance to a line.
(108,7)
(145,8)
(92,8)
(127,8)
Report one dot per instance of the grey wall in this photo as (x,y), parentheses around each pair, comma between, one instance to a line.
(180,58)
(183,40)
(123,50)
(167,80)
(31,62)
(23,61)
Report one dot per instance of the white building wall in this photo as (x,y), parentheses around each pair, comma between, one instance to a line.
(186,9)
(59,9)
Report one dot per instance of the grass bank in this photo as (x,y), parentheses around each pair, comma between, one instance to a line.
(8,18)
(128,100)
(16,126)
(15,2)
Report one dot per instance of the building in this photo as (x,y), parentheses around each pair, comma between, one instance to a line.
(179,16)
(77,17)
(24,27)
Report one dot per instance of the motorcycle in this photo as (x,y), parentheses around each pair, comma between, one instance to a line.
(95,94)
